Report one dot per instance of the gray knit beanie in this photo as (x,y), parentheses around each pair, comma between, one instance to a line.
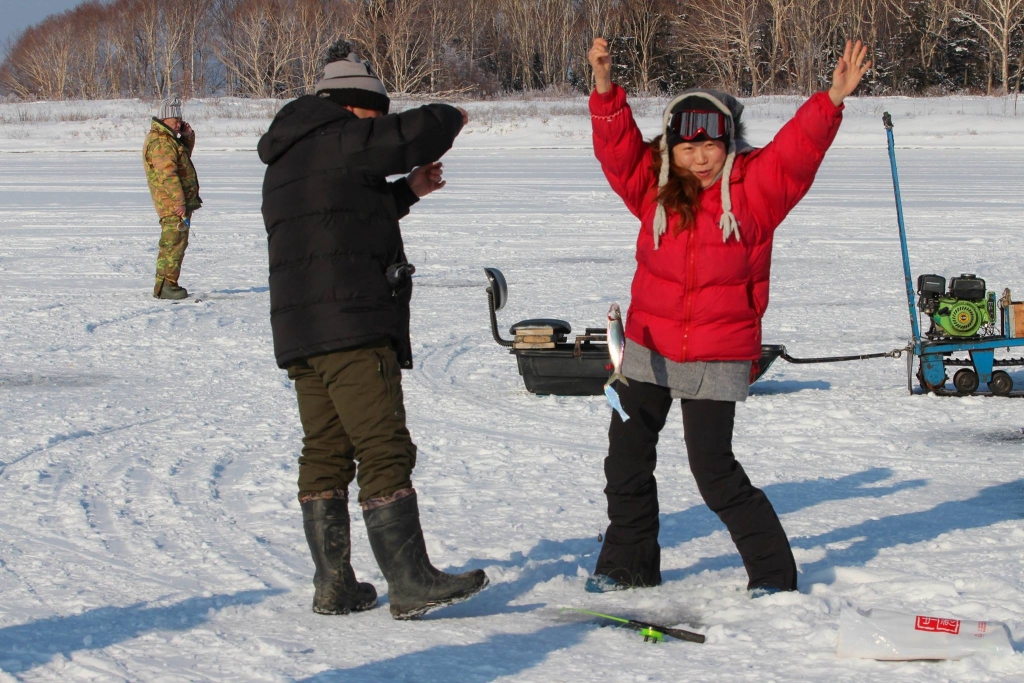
(170,108)
(732,108)
(350,81)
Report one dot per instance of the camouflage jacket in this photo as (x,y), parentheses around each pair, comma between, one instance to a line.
(169,171)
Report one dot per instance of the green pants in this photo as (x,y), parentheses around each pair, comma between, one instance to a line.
(351,407)
(172,245)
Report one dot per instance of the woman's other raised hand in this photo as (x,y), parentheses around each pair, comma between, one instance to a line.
(849,71)
(601,62)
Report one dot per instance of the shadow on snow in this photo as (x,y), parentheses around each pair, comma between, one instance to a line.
(511,654)
(999,503)
(500,655)
(774,387)
(25,646)
(551,559)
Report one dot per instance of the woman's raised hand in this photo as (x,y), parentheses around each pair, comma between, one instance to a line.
(849,71)
(601,62)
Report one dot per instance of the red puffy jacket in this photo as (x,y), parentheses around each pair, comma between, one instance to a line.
(697,298)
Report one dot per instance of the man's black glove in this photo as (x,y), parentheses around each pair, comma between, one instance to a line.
(398,273)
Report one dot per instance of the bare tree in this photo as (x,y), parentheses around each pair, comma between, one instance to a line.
(554,22)
(396,39)
(642,22)
(930,20)
(194,16)
(813,28)
(273,48)
(778,49)
(444,19)
(38,63)
(256,43)
(999,20)
(515,19)
(727,33)
(85,77)
(318,24)
(599,18)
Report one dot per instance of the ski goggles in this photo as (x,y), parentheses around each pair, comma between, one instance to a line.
(691,124)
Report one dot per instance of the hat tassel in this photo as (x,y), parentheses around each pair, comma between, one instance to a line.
(728,223)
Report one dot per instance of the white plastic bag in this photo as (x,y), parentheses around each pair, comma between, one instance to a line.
(881,634)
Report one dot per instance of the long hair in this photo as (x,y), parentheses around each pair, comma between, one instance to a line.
(680,194)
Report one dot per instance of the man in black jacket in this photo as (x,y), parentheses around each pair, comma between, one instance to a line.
(340,287)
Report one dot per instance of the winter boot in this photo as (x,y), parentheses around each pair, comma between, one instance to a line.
(170,290)
(414,585)
(326,523)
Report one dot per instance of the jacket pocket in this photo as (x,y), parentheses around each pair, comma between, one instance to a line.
(389,372)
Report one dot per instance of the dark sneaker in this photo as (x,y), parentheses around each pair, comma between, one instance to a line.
(599,583)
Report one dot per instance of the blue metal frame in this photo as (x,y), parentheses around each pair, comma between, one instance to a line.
(932,353)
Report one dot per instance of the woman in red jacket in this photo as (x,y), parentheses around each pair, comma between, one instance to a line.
(708,205)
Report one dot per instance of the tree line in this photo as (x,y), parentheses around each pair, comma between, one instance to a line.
(482,48)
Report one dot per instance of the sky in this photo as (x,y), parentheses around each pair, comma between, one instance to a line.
(20,14)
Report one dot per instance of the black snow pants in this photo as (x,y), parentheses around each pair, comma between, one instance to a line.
(631,554)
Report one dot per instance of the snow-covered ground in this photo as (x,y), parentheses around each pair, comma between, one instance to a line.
(149,529)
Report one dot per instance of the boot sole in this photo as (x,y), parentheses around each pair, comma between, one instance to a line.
(347,610)
(431,606)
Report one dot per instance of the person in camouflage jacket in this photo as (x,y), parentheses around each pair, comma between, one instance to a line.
(174,186)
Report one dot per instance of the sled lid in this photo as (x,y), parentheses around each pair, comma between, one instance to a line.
(557,326)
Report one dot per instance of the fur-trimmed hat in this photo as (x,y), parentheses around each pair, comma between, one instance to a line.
(350,81)
(704,100)
(170,108)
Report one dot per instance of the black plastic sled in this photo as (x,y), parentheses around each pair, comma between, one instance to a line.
(552,362)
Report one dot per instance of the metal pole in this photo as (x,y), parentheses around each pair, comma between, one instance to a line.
(887,121)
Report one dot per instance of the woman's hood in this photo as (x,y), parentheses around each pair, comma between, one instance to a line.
(732,108)
(713,99)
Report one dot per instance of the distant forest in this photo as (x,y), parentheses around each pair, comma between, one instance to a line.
(488,48)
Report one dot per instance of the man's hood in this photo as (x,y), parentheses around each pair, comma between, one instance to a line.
(295,121)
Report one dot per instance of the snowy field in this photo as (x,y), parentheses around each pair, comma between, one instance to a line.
(149,529)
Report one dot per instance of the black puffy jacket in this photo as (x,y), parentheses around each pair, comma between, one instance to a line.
(332,221)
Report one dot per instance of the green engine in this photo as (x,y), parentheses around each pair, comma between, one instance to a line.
(960,312)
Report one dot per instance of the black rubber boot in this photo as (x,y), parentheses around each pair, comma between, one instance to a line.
(415,586)
(326,523)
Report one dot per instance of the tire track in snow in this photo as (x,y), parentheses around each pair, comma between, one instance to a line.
(73,436)
(435,374)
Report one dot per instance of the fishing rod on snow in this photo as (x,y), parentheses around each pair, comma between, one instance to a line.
(651,632)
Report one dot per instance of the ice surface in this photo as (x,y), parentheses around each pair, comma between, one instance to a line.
(148,524)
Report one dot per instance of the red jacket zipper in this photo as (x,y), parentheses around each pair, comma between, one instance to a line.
(688,288)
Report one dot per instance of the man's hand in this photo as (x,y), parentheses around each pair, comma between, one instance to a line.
(425,179)
(849,71)
(179,211)
(601,62)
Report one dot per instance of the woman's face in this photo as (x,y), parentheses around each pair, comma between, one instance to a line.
(704,159)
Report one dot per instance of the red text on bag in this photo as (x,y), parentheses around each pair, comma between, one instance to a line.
(936,625)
